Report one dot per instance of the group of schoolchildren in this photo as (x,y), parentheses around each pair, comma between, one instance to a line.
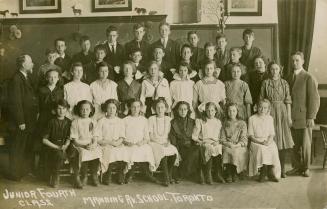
(183,110)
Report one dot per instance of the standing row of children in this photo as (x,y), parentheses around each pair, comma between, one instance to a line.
(189,81)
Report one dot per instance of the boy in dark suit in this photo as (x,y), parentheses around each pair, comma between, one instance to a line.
(171,47)
(249,52)
(197,52)
(23,108)
(222,53)
(138,43)
(164,66)
(85,56)
(115,52)
(305,105)
(90,70)
(64,61)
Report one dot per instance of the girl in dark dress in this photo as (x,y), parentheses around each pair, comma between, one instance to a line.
(181,137)
(56,141)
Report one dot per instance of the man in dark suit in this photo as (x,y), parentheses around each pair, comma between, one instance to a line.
(171,47)
(115,52)
(23,108)
(305,105)
(138,43)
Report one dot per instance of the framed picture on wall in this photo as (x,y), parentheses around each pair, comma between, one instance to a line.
(244,7)
(111,5)
(39,6)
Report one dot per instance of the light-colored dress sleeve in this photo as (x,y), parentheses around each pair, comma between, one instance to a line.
(251,127)
(98,130)
(74,133)
(243,138)
(121,129)
(270,124)
(287,99)
(247,94)
(146,136)
(197,129)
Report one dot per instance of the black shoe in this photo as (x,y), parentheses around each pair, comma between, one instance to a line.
(294,172)
(78,183)
(106,179)
(165,183)
(95,180)
(55,180)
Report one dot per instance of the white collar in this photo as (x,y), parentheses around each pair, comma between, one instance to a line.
(296,72)
(62,56)
(24,73)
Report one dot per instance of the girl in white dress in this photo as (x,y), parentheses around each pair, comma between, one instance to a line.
(111,133)
(263,149)
(206,134)
(102,89)
(181,89)
(165,154)
(76,90)
(209,89)
(84,149)
(137,142)
(153,87)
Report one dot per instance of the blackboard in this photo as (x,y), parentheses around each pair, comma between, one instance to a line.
(39,34)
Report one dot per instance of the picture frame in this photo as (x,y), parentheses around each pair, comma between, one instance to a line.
(39,6)
(111,5)
(243,7)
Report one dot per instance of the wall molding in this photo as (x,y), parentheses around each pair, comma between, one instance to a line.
(78,20)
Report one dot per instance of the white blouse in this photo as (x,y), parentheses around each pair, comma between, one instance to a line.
(101,92)
(136,129)
(75,92)
(161,87)
(159,129)
(181,90)
(261,126)
(209,129)
(110,129)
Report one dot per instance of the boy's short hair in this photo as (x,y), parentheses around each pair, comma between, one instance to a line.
(111,28)
(236,49)
(298,53)
(185,46)
(59,39)
(191,33)
(248,31)
(84,38)
(134,50)
(138,26)
(157,46)
(209,44)
(221,35)
(164,24)
(100,47)
(60,102)
(50,51)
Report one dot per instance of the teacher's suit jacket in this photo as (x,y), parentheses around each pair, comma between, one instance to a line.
(23,102)
(305,98)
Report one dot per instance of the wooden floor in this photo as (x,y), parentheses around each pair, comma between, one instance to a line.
(290,193)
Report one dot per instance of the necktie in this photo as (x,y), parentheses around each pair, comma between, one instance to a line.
(113,49)
(139,44)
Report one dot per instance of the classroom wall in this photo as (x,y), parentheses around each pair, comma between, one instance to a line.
(317,65)
(172,8)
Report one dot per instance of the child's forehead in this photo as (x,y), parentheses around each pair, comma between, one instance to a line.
(100,50)
(60,42)
(211,48)
(158,49)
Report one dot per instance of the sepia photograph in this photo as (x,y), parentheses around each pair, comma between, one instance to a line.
(165,104)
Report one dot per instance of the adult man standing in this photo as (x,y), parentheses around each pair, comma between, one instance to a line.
(23,108)
(305,105)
